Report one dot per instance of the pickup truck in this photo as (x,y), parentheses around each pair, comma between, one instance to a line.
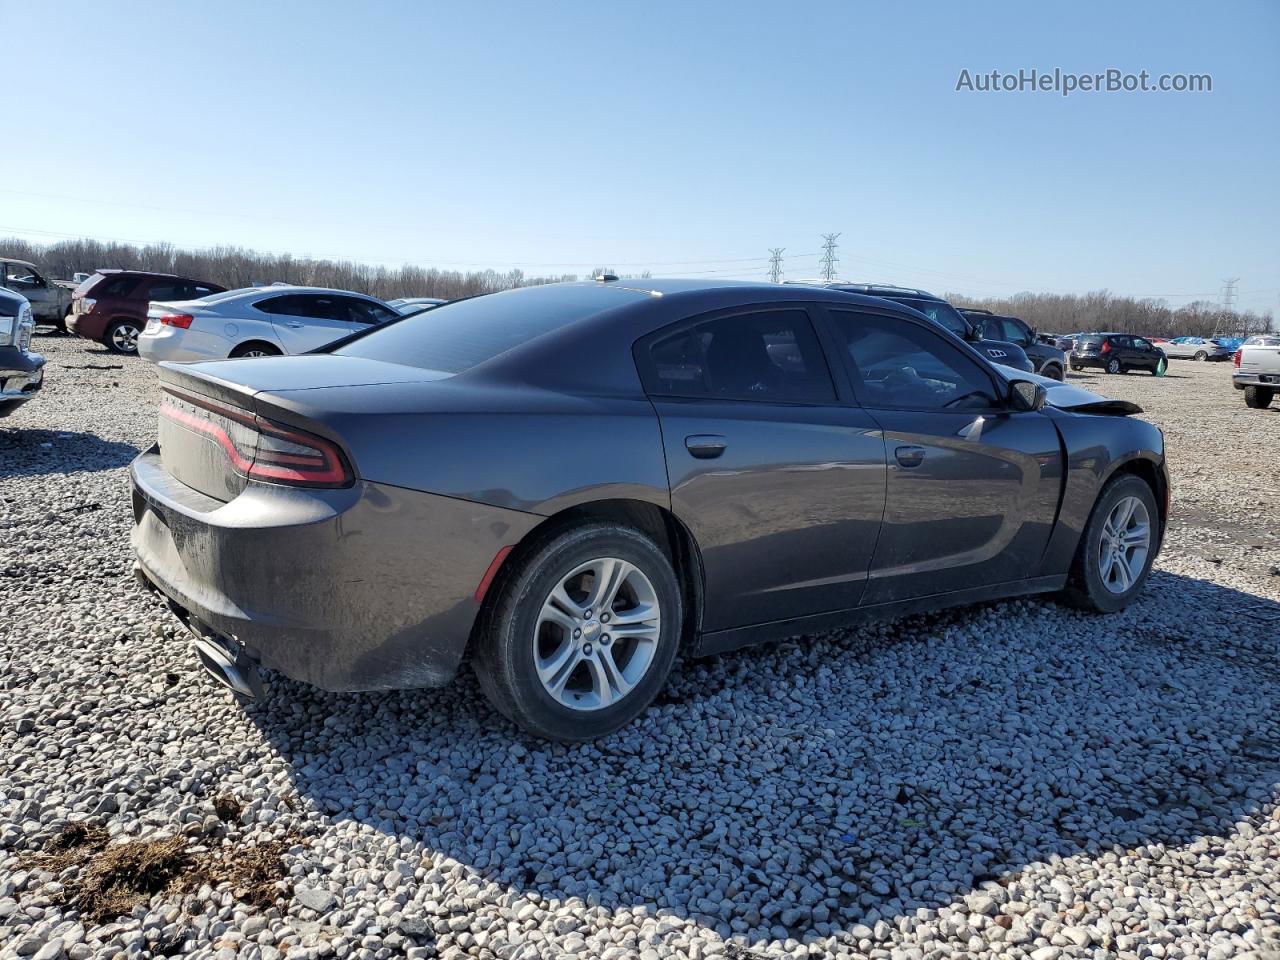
(21,371)
(1257,370)
(50,301)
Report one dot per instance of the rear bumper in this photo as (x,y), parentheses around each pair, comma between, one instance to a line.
(367,588)
(87,325)
(1095,361)
(1269,380)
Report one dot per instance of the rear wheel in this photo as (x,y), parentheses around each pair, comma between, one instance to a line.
(1259,398)
(1076,368)
(122,336)
(581,633)
(255,348)
(1115,366)
(1115,553)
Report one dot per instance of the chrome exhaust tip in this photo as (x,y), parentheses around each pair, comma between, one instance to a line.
(235,672)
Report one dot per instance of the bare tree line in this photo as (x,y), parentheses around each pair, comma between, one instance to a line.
(1104,311)
(238,267)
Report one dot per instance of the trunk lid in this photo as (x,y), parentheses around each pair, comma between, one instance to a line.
(211,432)
(1261,359)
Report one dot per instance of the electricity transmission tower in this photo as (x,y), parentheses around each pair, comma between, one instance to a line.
(829,258)
(775,264)
(1228,298)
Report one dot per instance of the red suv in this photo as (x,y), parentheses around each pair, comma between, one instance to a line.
(111,306)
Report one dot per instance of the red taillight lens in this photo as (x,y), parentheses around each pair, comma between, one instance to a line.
(1235,359)
(1106,346)
(258,448)
(182,320)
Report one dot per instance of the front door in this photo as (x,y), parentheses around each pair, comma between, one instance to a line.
(972,486)
(782,486)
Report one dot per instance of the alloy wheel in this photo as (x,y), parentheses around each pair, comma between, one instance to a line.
(1124,544)
(597,633)
(124,337)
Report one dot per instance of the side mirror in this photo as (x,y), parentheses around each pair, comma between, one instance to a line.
(1025,396)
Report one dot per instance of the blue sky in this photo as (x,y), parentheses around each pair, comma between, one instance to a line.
(684,138)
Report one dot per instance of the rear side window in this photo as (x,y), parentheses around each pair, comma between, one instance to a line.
(114,287)
(463,334)
(768,356)
(304,305)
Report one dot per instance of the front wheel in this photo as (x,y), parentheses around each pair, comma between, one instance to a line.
(1054,372)
(1114,366)
(581,633)
(1259,398)
(1201,355)
(122,336)
(1117,548)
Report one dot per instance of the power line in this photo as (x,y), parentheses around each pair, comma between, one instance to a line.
(775,264)
(829,258)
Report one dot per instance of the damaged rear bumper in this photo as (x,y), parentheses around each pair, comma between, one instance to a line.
(365,588)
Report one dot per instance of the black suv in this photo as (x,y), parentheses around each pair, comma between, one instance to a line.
(21,371)
(940,312)
(1048,359)
(1118,353)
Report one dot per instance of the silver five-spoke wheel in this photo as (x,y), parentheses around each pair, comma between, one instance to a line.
(124,337)
(596,634)
(1124,544)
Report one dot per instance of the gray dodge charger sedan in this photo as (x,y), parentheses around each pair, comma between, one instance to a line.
(574,484)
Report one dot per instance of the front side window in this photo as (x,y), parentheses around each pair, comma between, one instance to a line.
(767,356)
(1014,332)
(19,276)
(904,365)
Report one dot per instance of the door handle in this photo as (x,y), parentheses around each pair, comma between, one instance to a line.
(910,456)
(705,446)
(293,323)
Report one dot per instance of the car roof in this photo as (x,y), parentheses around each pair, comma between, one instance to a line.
(23,263)
(286,289)
(869,288)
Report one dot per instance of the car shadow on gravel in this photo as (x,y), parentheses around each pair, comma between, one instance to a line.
(31,453)
(804,787)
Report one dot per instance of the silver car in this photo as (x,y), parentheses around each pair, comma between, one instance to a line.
(1196,348)
(257,322)
(408,305)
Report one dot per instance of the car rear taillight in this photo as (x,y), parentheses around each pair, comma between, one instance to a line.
(258,448)
(1106,346)
(1235,358)
(182,320)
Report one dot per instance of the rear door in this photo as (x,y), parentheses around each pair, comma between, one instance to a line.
(780,481)
(972,487)
(306,321)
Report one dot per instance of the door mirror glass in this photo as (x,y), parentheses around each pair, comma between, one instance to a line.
(1026,396)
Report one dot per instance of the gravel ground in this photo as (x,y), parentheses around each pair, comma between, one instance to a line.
(1012,780)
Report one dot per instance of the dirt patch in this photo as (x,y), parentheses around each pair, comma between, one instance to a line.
(227,808)
(114,878)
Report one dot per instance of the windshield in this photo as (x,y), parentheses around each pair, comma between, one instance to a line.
(457,336)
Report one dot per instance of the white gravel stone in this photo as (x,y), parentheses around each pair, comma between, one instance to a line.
(1013,779)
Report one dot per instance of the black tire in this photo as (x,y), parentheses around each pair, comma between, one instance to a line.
(504,658)
(1201,355)
(121,336)
(255,348)
(1259,398)
(1114,366)
(1076,368)
(1085,588)
(1053,372)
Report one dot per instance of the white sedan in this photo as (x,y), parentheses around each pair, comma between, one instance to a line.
(257,322)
